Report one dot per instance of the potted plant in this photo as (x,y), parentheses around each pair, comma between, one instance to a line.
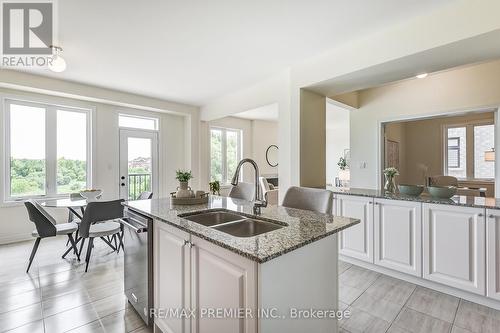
(342,163)
(184,191)
(390,183)
(214,187)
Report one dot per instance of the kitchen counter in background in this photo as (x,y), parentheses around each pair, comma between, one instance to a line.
(304,227)
(467,201)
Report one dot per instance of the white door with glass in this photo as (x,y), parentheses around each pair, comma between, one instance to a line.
(138,163)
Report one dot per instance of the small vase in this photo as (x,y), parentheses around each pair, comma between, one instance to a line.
(390,184)
(184,191)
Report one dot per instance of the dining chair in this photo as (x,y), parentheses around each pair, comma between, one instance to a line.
(97,222)
(269,192)
(313,199)
(443,181)
(243,191)
(46,226)
(145,195)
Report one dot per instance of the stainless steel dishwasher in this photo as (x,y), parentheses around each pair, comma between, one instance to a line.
(138,262)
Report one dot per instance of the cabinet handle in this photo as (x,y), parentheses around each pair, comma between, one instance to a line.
(186,242)
(480,215)
(491,216)
(191,245)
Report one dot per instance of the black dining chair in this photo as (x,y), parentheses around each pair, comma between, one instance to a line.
(46,226)
(97,222)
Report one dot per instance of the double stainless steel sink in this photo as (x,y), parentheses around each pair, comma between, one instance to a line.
(233,223)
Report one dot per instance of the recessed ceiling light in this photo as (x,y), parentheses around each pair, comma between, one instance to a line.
(422,76)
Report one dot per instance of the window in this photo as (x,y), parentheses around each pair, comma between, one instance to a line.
(47,150)
(457,152)
(225,153)
(453,153)
(484,140)
(465,151)
(131,121)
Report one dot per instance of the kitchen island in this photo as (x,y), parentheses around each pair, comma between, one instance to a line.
(208,280)
(450,245)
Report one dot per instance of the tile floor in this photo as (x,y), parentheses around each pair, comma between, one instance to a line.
(57,296)
(379,303)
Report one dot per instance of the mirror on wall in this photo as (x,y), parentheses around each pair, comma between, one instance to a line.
(272,155)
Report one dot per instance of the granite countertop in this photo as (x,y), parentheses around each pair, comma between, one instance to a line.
(458,200)
(304,226)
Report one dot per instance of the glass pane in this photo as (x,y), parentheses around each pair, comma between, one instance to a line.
(484,140)
(457,152)
(139,166)
(27,150)
(231,153)
(137,122)
(216,155)
(71,151)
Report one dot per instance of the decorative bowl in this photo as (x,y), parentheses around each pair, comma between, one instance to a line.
(413,190)
(442,192)
(91,195)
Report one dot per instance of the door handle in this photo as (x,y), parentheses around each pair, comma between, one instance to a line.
(128,225)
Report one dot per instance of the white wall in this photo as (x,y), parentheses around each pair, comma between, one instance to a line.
(264,134)
(337,139)
(175,148)
(467,88)
(275,89)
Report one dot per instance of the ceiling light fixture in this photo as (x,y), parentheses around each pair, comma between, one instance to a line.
(422,76)
(58,64)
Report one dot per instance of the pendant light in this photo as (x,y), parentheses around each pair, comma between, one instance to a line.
(58,63)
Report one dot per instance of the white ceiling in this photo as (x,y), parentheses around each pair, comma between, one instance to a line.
(267,112)
(196,50)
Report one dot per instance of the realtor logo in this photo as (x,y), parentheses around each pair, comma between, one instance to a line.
(27,28)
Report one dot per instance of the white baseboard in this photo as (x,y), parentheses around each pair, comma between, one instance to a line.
(14,238)
(483,300)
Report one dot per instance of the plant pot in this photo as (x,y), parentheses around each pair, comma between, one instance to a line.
(184,191)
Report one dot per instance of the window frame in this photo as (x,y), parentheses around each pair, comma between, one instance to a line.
(224,181)
(469,144)
(457,148)
(50,146)
(131,115)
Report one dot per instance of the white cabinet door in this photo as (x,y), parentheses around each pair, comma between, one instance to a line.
(493,253)
(454,246)
(398,235)
(222,280)
(172,279)
(356,241)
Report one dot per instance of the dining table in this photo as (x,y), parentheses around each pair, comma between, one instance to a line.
(75,205)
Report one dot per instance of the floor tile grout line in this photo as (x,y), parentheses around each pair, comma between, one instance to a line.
(456,312)
(364,291)
(402,308)
(41,304)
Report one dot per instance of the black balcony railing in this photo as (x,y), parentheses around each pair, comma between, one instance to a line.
(138,183)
